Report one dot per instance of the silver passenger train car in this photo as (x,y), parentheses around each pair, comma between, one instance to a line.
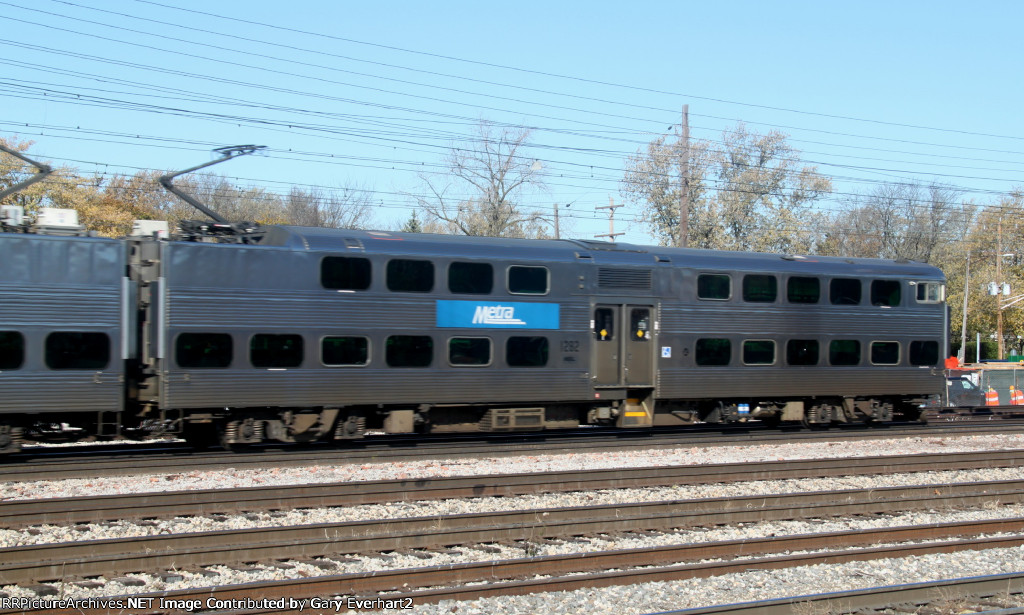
(299,334)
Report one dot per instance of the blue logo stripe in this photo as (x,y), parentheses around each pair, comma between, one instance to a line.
(495,315)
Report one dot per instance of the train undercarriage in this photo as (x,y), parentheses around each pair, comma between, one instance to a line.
(238,427)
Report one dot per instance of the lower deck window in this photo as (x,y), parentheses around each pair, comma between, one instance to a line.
(12,350)
(469,351)
(409,351)
(885,353)
(202,350)
(275,351)
(77,350)
(924,353)
(802,352)
(345,351)
(713,351)
(844,352)
(527,351)
(758,352)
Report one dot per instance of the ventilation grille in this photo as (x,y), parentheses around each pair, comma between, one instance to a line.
(632,279)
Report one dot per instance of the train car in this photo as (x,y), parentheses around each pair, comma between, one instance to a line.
(64,302)
(298,334)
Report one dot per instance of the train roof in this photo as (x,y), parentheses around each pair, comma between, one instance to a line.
(577,250)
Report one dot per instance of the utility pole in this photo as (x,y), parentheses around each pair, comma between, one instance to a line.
(557,235)
(611,207)
(684,196)
(1002,287)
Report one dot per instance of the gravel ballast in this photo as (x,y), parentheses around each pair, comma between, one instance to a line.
(645,598)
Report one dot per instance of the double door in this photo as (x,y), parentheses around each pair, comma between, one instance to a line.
(623,344)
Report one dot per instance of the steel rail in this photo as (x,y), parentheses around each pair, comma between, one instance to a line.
(876,597)
(24,564)
(632,566)
(167,504)
(58,466)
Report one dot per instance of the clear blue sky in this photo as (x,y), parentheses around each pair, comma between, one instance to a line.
(373,93)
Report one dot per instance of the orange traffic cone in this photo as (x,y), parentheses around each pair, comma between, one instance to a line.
(1016,396)
(991,397)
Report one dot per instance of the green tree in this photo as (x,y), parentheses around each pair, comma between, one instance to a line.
(750,193)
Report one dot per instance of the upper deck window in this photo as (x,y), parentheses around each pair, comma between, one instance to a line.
(760,288)
(345,273)
(714,286)
(411,276)
(844,291)
(528,280)
(471,278)
(803,290)
(885,293)
(930,292)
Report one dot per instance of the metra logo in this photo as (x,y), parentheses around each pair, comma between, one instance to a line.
(496,315)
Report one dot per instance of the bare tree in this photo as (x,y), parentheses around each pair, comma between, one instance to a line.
(488,179)
(900,221)
(343,208)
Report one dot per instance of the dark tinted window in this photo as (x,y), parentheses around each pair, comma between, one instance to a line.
(12,350)
(640,324)
(802,352)
(409,351)
(77,350)
(885,353)
(604,324)
(345,273)
(345,351)
(885,292)
(410,276)
(275,351)
(713,286)
(758,352)
(924,353)
(713,351)
(844,291)
(469,351)
(844,352)
(760,288)
(803,290)
(528,280)
(527,351)
(470,278)
(203,350)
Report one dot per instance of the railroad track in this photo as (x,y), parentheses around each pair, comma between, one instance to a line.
(94,463)
(571,572)
(91,509)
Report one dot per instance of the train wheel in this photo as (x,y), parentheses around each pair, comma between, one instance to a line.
(201,436)
(10,439)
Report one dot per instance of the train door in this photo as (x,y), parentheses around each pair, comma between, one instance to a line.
(623,352)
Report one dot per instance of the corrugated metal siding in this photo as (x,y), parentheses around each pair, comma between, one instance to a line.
(61,284)
(371,386)
(726,382)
